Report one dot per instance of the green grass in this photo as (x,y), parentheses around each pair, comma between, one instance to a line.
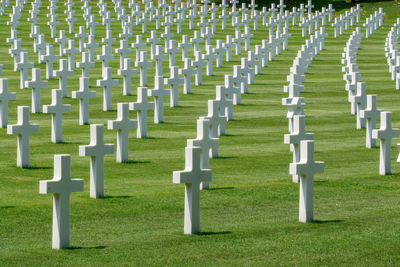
(250,216)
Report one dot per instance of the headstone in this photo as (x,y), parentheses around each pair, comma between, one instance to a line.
(192,176)
(71,51)
(174,81)
(63,74)
(122,124)
(226,104)
(187,71)
(199,63)
(85,64)
(306,169)
(36,84)
(141,106)
(23,66)
(83,95)
(385,133)
(158,93)
(370,114)
(143,64)
(23,129)
(61,187)
(5,96)
(107,83)
(49,58)
(127,72)
(57,108)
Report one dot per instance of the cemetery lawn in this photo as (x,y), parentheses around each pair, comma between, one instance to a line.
(250,214)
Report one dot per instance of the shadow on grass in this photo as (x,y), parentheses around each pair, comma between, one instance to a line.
(215,233)
(38,168)
(78,247)
(225,157)
(326,221)
(136,161)
(220,188)
(116,197)
(8,207)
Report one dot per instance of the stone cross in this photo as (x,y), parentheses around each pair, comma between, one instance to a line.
(174,81)
(62,41)
(63,74)
(196,40)
(141,106)
(91,45)
(83,95)
(297,135)
(159,57)
(40,47)
(172,51)
(184,46)
(139,45)
(15,51)
(199,63)
(57,108)
(209,57)
(226,104)
(96,150)
(385,133)
(192,176)
(122,124)
(107,83)
(360,99)
(207,143)
(153,40)
(127,72)
(143,64)
(217,120)
(370,114)
(85,64)
(36,84)
(71,51)
(61,187)
(49,58)
(187,71)
(5,96)
(105,57)
(233,91)
(228,45)
(81,35)
(23,129)
(108,40)
(158,93)
(306,169)
(23,66)
(123,50)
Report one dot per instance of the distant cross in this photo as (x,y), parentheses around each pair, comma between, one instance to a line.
(143,64)
(85,64)
(71,51)
(127,72)
(36,84)
(174,81)
(217,120)
(107,83)
(158,93)
(226,104)
(96,150)
(370,114)
(5,96)
(63,74)
(187,71)
(23,66)
(23,129)
(61,187)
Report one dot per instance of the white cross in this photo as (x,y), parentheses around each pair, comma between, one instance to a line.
(240,79)
(61,187)
(153,40)
(23,129)
(36,84)
(5,96)
(53,26)
(91,45)
(226,104)
(385,133)
(209,57)
(159,57)
(370,114)
(63,74)
(229,45)
(196,40)
(139,45)
(306,169)
(96,150)
(83,95)
(81,35)
(23,66)
(174,81)
(123,50)
(127,72)
(122,124)
(219,50)
(167,35)
(158,93)
(109,40)
(15,51)
(143,64)
(107,83)
(217,121)
(207,144)
(141,106)
(192,176)
(172,51)
(85,64)
(199,63)
(233,92)
(360,98)
(49,58)
(71,51)
(187,71)
(62,41)
(238,40)
(105,57)
(40,47)
(184,46)
(297,135)
(57,108)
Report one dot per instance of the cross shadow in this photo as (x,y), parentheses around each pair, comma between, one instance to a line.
(326,221)
(79,247)
(116,197)
(38,168)
(225,157)
(135,161)
(215,233)
(8,207)
(220,188)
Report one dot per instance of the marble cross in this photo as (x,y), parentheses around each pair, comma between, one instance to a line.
(107,83)
(306,169)
(49,58)
(71,51)
(36,84)
(96,150)
(5,96)
(122,124)
(57,108)
(127,72)
(23,129)
(23,66)
(385,133)
(370,114)
(61,186)
(192,176)
(85,64)
(143,64)
(83,95)
(141,106)
(174,81)
(63,74)
(158,93)
(199,63)
(226,104)
(217,121)
(187,71)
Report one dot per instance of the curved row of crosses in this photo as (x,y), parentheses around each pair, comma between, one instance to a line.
(364,106)
(392,53)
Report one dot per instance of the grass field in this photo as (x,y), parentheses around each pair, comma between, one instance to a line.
(250,214)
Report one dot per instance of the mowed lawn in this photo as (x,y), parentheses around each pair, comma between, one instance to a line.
(250,214)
